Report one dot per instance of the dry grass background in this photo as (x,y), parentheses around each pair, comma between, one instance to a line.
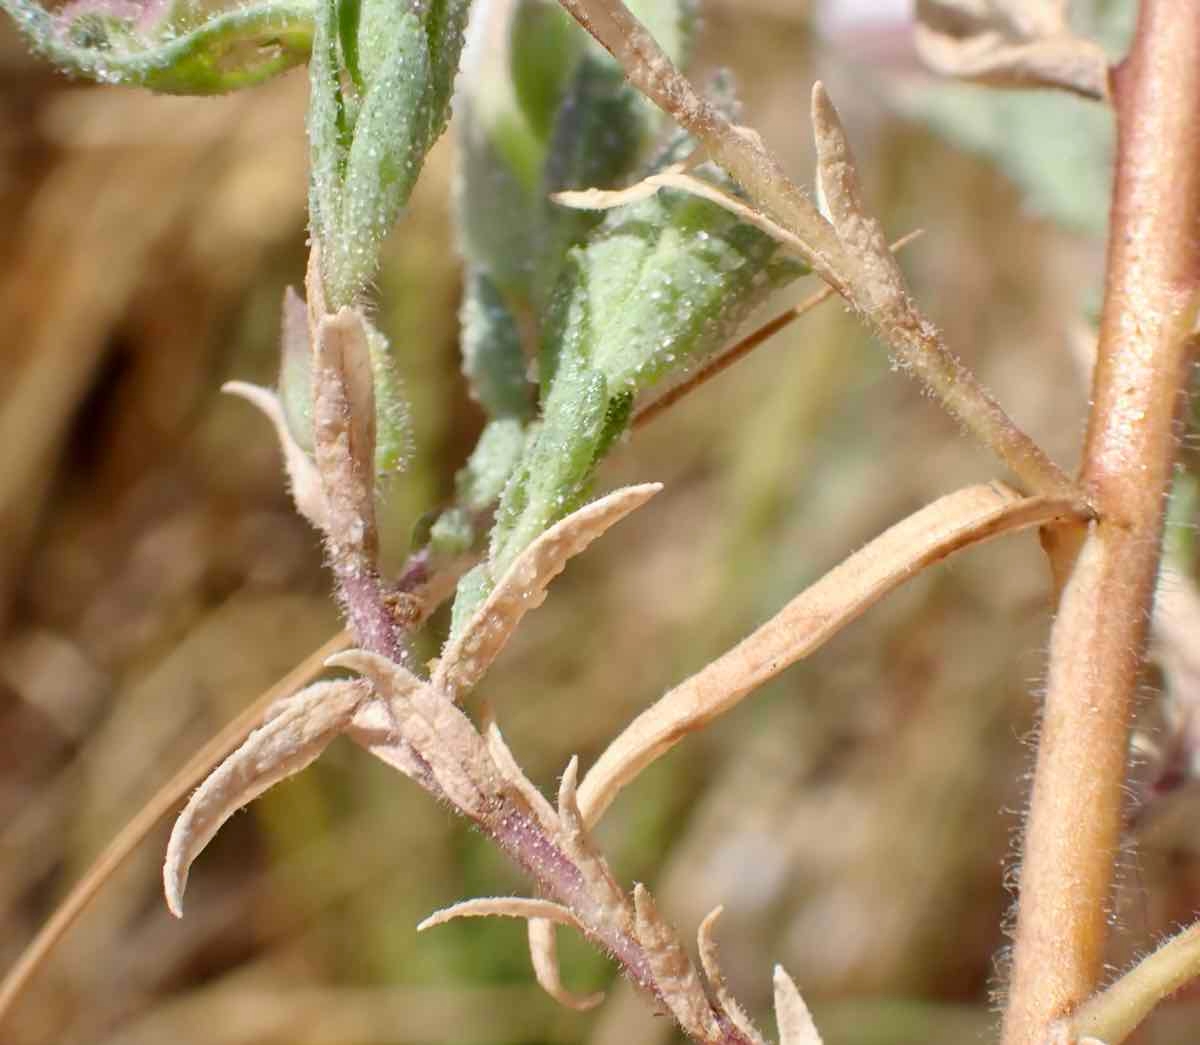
(855,819)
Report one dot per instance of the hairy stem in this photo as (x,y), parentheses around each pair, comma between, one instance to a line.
(1096,648)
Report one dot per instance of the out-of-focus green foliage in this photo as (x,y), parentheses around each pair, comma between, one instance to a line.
(1056,148)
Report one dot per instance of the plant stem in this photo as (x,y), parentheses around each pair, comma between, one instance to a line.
(893,317)
(1073,831)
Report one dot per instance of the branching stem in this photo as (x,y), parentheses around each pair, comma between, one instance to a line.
(893,317)
(1098,639)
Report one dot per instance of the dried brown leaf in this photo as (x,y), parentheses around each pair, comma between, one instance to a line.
(569,818)
(796,1025)
(307,492)
(295,732)
(675,977)
(958,520)
(344,435)
(711,964)
(501,906)
(437,730)
(523,587)
(374,729)
(574,837)
(543,951)
(1014,43)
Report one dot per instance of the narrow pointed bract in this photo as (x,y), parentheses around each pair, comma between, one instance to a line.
(796,1025)
(862,235)
(674,975)
(709,961)
(344,435)
(523,587)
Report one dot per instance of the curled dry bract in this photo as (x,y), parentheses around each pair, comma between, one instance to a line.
(523,587)
(295,733)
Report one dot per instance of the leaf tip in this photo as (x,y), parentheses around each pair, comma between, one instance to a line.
(796,1025)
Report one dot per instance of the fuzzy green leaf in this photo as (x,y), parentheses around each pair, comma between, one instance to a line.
(175,54)
(390,137)
(545,109)
(659,285)
(328,135)
(382,78)
(393,430)
(552,477)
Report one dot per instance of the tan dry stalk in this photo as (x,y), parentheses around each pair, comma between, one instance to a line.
(1073,831)
(164,801)
(1115,1013)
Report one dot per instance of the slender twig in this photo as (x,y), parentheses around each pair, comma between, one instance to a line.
(741,348)
(1073,831)
(1115,1013)
(846,257)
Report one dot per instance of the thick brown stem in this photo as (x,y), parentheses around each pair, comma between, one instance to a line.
(1096,648)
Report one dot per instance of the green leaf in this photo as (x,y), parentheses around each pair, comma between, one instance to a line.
(390,138)
(224,52)
(659,285)
(382,76)
(556,467)
(445,23)
(544,109)
(393,427)
(544,45)
(328,135)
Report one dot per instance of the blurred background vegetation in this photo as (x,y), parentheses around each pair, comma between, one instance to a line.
(856,819)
